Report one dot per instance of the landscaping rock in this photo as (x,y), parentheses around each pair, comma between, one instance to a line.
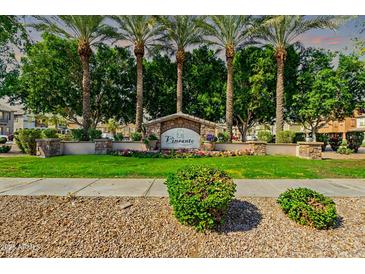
(98,227)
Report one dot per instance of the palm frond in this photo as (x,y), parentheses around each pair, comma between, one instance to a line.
(222,30)
(80,27)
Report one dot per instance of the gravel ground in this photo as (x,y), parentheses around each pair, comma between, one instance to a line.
(144,227)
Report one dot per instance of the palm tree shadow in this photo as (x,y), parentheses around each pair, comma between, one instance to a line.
(241,216)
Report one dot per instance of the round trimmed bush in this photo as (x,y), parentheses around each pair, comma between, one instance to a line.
(5,149)
(200,196)
(3,140)
(50,133)
(265,136)
(308,207)
(285,137)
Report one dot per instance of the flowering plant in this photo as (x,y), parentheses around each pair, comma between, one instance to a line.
(181,153)
(210,137)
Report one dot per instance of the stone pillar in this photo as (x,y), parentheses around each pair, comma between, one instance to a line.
(258,147)
(103,146)
(48,147)
(309,150)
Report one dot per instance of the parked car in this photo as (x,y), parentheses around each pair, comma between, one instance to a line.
(4,136)
(251,138)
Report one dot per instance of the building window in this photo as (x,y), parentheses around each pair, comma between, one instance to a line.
(353,122)
(361,122)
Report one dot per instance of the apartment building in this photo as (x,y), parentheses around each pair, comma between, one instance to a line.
(349,124)
(6,120)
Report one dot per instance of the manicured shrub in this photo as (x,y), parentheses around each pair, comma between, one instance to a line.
(223,137)
(308,207)
(354,140)
(25,139)
(136,136)
(343,149)
(18,142)
(50,133)
(152,137)
(5,149)
(265,136)
(118,137)
(285,136)
(3,140)
(94,134)
(335,142)
(77,134)
(65,137)
(200,196)
(323,138)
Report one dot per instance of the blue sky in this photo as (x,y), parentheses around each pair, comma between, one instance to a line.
(339,40)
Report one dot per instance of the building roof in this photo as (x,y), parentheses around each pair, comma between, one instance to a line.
(17,108)
(6,107)
(182,115)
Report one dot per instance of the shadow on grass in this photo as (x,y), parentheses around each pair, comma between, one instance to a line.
(241,216)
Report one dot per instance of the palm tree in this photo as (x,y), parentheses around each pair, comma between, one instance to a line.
(180,33)
(88,31)
(230,33)
(281,32)
(143,32)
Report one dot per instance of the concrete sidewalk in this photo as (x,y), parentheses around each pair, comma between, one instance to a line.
(156,188)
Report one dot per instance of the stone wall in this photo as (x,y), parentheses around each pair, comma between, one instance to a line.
(48,147)
(310,150)
(258,147)
(154,129)
(180,122)
(205,130)
(103,146)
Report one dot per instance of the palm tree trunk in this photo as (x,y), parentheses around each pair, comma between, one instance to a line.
(280,94)
(229,97)
(85,94)
(179,89)
(180,57)
(139,106)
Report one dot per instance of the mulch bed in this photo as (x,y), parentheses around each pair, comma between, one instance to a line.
(111,227)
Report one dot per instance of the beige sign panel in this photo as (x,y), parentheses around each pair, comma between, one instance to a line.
(180,138)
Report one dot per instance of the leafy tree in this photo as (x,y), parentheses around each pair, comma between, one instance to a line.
(180,33)
(352,70)
(51,79)
(143,32)
(254,84)
(113,87)
(13,38)
(160,82)
(88,31)
(228,33)
(204,83)
(281,32)
(322,95)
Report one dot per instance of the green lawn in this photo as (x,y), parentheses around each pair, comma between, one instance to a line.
(238,167)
